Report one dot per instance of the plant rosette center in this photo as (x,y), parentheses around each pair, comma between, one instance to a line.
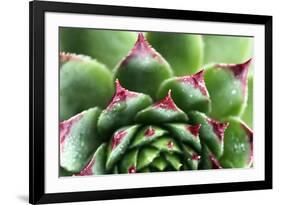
(157,122)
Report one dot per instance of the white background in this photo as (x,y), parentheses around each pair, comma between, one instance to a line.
(14,100)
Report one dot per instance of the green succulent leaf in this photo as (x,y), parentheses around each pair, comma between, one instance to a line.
(96,166)
(188,92)
(162,112)
(174,160)
(159,163)
(78,139)
(211,131)
(186,133)
(162,122)
(143,70)
(208,160)
(84,83)
(122,110)
(238,145)
(147,135)
(166,144)
(129,162)
(120,142)
(146,157)
(192,157)
(228,82)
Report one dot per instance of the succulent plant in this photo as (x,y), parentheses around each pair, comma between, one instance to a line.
(78,138)
(155,121)
(189,92)
(106,46)
(143,69)
(189,49)
(238,145)
(227,86)
(84,83)
(145,137)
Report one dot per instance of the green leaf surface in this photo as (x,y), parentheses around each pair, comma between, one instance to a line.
(173,160)
(146,156)
(120,142)
(183,132)
(166,144)
(211,132)
(238,142)
(146,135)
(83,84)
(128,163)
(79,139)
(159,163)
(188,92)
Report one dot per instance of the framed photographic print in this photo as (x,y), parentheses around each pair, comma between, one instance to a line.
(140,102)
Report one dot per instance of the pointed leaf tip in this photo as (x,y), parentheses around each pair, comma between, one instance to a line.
(240,71)
(199,75)
(142,48)
(194,129)
(117,138)
(142,43)
(121,94)
(218,127)
(141,37)
(149,132)
(197,81)
(167,103)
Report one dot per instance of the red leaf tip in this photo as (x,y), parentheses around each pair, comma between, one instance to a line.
(218,127)
(167,103)
(194,129)
(197,81)
(117,138)
(142,49)
(240,71)
(141,37)
(87,171)
(149,132)
(121,94)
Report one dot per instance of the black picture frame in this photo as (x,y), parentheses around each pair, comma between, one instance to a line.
(37,194)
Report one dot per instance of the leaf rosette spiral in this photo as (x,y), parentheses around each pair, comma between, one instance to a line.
(155,121)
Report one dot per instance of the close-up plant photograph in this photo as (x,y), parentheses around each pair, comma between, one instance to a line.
(142,102)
